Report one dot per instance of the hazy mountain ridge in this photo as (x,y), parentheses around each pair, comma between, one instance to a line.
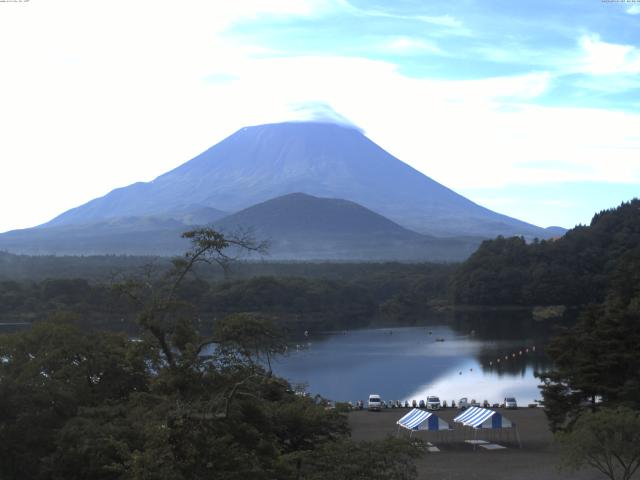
(126,236)
(291,213)
(305,227)
(297,226)
(316,190)
(262,162)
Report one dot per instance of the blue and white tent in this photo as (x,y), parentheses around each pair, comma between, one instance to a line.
(418,419)
(477,417)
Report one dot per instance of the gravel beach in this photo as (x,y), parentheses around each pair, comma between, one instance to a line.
(537,459)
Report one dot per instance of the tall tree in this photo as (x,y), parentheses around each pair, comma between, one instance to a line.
(253,337)
(607,440)
(98,406)
(162,314)
(598,358)
(47,376)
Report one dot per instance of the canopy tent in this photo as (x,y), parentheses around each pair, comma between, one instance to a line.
(477,417)
(482,418)
(418,419)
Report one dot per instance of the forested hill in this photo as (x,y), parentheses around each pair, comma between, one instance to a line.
(576,269)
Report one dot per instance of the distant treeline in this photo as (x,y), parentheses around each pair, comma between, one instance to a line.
(109,268)
(576,269)
(323,296)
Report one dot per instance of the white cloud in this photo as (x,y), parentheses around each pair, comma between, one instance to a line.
(521,87)
(602,58)
(450,25)
(633,10)
(320,112)
(93,99)
(591,55)
(402,45)
(100,95)
(470,133)
(443,20)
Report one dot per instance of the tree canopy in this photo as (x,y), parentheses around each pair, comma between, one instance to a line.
(607,440)
(177,401)
(575,269)
(597,361)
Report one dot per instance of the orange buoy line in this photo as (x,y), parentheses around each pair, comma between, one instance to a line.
(519,353)
(504,358)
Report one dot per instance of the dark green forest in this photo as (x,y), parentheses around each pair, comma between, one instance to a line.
(596,270)
(325,296)
(83,404)
(576,269)
(107,268)
(597,361)
(112,379)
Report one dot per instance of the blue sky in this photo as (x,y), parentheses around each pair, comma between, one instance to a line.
(531,108)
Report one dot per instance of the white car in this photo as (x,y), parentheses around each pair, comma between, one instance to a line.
(510,402)
(375,403)
(433,403)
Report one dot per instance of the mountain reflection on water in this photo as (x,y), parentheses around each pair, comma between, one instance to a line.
(484,358)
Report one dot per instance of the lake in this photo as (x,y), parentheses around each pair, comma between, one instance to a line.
(406,363)
(449,361)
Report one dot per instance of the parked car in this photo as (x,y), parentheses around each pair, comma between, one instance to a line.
(421,404)
(433,403)
(375,403)
(510,402)
(463,403)
(406,404)
(398,404)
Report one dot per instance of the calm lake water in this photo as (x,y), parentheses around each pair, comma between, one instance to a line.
(406,363)
(410,363)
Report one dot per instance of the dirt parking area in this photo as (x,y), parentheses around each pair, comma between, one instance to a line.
(536,460)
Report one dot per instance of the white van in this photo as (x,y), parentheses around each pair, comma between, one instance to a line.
(375,402)
(433,403)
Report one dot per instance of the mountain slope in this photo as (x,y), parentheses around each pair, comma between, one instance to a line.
(321,159)
(304,227)
(297,226)
(127,236)
(302,214)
